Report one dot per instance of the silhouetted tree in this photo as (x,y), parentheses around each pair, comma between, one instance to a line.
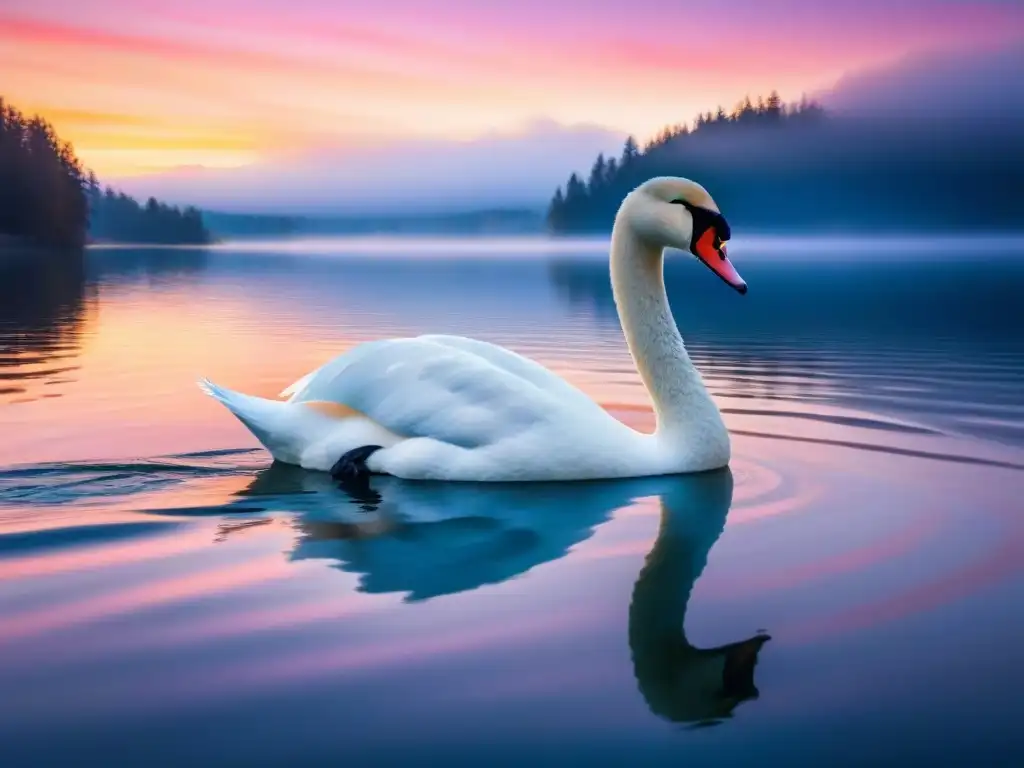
(611,169)
(575,191)
(630,151)
(41,183)
(597,174)
(556,211)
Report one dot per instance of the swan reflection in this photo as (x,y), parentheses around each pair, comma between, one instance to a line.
(431,539)
(680,682)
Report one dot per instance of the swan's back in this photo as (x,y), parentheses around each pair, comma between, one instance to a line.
(320,384)
(457,391)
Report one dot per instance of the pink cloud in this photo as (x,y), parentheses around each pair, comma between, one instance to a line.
(298,72)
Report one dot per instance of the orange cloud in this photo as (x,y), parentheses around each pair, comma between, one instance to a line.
(87,118)
(225,98)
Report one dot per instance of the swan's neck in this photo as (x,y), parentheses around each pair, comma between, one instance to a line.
(683,407)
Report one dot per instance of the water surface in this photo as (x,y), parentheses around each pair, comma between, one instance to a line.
(169,596)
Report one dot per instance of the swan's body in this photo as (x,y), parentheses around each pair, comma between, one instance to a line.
(452,408)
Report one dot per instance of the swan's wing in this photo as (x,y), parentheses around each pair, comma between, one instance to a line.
(516,364)
(420,388)
(298,385)
(314,381)
(312,386)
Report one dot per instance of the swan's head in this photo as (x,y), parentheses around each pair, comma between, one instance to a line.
(678,213)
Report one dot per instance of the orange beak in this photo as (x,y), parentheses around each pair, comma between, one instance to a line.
(716,259)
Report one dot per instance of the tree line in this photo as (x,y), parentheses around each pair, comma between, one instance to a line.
(116,217)
(776,166)
(49,198)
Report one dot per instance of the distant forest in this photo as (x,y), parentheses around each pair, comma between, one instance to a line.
(47,197)
(773,166)
(116,217)
(251,225)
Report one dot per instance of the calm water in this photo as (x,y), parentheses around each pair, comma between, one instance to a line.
(168,596)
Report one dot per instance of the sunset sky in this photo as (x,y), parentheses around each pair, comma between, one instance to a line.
(142,86)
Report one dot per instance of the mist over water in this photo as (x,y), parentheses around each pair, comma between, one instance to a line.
(169,595)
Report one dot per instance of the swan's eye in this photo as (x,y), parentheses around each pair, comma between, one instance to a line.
(723,229)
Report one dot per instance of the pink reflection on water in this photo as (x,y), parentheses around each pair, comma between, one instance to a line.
(753,480)
(393,653)
(138,364)
(997,565)
(802,499)
(319,657)
(190,586)
(151,549)
(883,548)
(239,621)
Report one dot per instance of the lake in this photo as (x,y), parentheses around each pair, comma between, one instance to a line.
(849,592)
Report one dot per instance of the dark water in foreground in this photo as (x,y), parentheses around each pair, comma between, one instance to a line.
(168,597)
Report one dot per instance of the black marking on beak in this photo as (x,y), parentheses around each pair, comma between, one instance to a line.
(704,218)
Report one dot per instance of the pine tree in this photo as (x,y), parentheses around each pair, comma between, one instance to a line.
(630,151)
(611,170)
(556,212)
(575,191)
(597,175)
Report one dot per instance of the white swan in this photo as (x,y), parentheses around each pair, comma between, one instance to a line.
(452,408)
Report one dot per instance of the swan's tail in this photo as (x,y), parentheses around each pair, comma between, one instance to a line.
(271,421)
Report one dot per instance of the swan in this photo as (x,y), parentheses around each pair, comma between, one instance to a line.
(438,407)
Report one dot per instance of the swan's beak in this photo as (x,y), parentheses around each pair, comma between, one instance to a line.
(717,260)
(740,660)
